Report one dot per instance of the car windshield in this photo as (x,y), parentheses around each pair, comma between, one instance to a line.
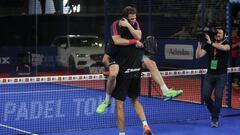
(87,42)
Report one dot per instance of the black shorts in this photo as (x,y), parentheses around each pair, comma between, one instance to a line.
(112,61)
(126,87)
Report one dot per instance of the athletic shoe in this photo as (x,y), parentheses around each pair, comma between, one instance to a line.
(103,106)
(147,130)
(171,93)
(214,124)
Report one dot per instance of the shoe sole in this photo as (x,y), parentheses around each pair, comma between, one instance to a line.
(214,126)
(149,133)
(170,98)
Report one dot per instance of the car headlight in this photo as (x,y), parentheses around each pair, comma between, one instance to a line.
(97,44)
(80,55)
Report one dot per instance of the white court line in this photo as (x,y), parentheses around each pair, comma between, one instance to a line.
(17,129)
(40,91)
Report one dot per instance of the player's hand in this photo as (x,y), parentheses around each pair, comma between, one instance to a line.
(124,22)
(208,39)
(139,44)
(199,44)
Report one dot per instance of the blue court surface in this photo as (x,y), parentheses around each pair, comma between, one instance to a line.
(61,109)
(228,126)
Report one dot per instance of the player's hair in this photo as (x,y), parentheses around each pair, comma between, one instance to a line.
(128,10)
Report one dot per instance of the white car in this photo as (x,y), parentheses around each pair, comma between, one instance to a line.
(79,51)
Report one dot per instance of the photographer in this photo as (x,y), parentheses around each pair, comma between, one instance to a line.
(218,50)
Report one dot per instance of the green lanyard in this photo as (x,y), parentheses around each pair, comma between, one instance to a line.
(214,62)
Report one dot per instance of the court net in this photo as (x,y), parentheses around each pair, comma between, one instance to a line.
(45,104)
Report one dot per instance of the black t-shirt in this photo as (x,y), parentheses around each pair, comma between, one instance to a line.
(221,56)
(128,57)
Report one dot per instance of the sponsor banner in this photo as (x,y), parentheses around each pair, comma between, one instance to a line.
(178,52)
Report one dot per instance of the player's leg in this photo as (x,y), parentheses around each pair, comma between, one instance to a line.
(120,94)
(167,93)
(141,114)
(133,93)
(111,84)
(120,116)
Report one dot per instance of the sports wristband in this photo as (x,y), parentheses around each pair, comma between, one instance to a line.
(132,41)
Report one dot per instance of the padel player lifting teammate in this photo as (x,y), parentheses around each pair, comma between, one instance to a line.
(125,29)
(128,76)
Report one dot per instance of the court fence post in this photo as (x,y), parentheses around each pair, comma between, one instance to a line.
(230,62)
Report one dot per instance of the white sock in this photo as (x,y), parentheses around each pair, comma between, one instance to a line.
(108,97)
(121,133)
(144,122)
(164,88)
